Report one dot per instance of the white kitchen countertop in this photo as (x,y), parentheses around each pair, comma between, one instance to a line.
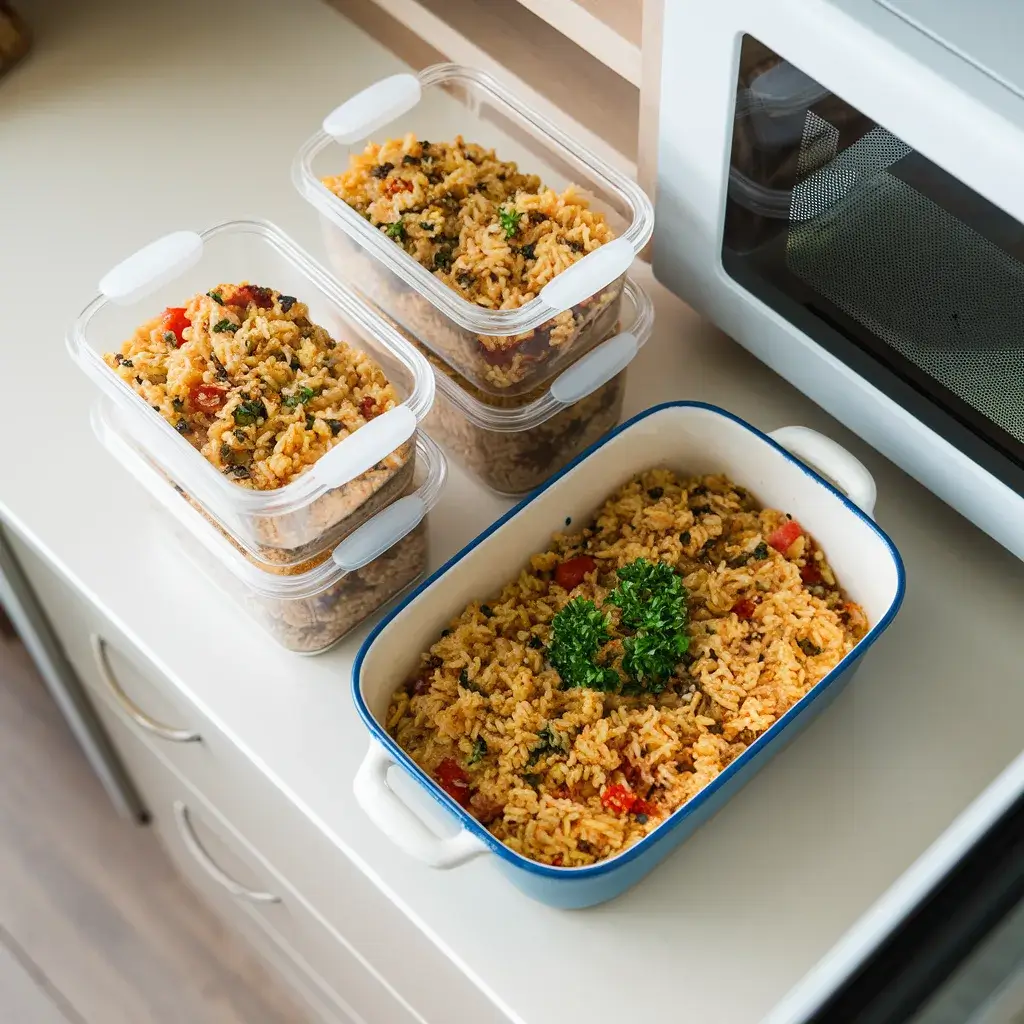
(132,119)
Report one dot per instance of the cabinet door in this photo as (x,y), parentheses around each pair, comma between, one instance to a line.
(252,898)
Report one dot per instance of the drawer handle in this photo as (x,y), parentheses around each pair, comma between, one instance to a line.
(188,836)
(129,707)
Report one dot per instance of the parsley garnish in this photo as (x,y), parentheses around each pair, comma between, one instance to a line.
(652,599)
(578,632)
(303,395)
(171,338)
(395,231)
(217,297)
(443,257)
(248,412)
(479,750)
(652,625)
(509,219)
(761,551)
(224,325)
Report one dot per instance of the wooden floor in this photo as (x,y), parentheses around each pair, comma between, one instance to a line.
(95,926)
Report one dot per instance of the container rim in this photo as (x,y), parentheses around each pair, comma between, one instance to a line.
(466,314)
(304,489)
(263,581)
(469,823)
(526,417)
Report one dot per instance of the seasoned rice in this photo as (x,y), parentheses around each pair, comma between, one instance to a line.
(570,776)
(489,232)
(260,391)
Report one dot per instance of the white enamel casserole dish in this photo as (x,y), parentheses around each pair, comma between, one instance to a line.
(692,438)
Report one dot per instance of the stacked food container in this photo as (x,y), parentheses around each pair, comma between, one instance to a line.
(513,405)
(519,391)
(310,559)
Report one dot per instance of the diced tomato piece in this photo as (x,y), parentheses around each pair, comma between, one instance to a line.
(207,398)
(397,185)
(572,573)
(557,860)
(262,298)
(782,538)
(644,807)
(810,574)
(454,780)
(618,798)
(368,407)
(744,608)
(175,321)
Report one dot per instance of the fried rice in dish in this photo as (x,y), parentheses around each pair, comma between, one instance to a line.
(569,774)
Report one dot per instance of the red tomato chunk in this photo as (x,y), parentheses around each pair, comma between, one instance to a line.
(368,407)
(207,398)
(810,574)
(618,798)
(644,807)
(454,780)
(744,608)
(175,321)
(572,573)
(782,538)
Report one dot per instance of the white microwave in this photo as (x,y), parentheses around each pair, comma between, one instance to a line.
(841,189)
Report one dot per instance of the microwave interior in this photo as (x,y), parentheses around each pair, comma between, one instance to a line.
(881,256)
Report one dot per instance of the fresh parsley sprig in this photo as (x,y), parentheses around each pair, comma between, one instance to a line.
(652,625)
(578,632)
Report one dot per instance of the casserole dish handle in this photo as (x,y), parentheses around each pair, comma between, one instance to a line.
(384,808)
(833,462)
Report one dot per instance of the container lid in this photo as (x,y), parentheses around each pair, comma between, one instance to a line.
(369,541)
(572,385)
(379,106)
(126,297)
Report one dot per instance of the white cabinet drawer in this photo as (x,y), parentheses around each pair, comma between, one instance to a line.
(229,874)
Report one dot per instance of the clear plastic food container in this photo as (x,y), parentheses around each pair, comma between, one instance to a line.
(356,478)
(514,449)
(448,100)
(308,607)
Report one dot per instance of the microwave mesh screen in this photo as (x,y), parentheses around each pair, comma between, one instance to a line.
(913,274)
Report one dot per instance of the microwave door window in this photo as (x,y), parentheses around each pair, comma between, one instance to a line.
(879,255)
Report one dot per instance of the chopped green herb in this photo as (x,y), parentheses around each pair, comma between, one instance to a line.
(654,493)
(652,599)
(287,301)
(336,427)
(578,632)
(225,452)
(528,251)
(217,297)
(295,364)
(395,231)
(486,611)
(310,420)
(303,395)
(446,632)
(568,520)
(178,404)
(464,678)
(409,160)
(128,363)
(533,779)
(548,741)
(761,551)
(443,258)
(641,819)
(535,643)
(509,218)
(171,338)
(224,325)
(239,471)
(479,750)
(809,648)
(685,536)
(248,412)
(382,170)
(182,427)
(240,434)
(426,225)
(466,279)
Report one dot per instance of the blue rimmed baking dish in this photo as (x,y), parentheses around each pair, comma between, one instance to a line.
(690,437)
